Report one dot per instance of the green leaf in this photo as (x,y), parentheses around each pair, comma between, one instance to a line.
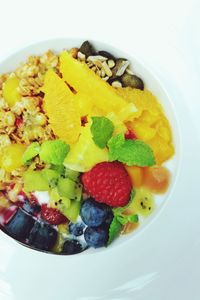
(32,151)
(114,230)
(102,129)
(130,152)
(133,219)
(54,152)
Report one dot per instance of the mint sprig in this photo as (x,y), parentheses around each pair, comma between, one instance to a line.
(102,129)
(121,219)
(114,230)
(130,152)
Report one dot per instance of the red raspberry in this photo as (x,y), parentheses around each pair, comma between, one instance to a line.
(109,183)
(52,215)
(130,135)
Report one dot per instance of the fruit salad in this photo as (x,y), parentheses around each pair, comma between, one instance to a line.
(83,146)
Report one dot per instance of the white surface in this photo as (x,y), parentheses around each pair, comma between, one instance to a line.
(163,262)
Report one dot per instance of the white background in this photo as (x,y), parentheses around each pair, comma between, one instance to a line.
(165,35)
(162,33)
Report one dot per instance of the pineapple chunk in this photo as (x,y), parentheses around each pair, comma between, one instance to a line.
(11,158)
(10,92)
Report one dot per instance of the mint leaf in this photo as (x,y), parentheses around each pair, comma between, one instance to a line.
(102,129)
(130,152)
(32,151)
(114,230)
(54,152)
(133,218)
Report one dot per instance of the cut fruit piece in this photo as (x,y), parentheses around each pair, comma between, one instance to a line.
(34,181)
(40,180)
(10,92)
(61,107)
(161,149)
(11,158)
(143,202)
(72,211)
(143,100)
(85,154)
(73,175)
(136,175)
(143,131)
(85,81)
(156,179)
(119,126)
(54,152)
(66,188)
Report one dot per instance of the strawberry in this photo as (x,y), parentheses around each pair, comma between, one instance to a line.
(130,135)
(109,183)
(52,215)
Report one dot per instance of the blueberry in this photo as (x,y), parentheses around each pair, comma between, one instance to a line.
(29,208)
(94,213)
(72,246)
(42,236)
(96,236)
(20,225)
(76,228)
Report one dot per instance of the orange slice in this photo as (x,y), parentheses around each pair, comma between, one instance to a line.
(61,108)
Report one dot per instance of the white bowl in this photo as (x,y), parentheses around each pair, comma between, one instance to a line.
(151,83)
(132,262)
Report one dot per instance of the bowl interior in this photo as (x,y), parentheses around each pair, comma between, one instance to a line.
(151,82)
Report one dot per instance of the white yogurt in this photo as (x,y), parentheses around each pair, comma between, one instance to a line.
(42,197)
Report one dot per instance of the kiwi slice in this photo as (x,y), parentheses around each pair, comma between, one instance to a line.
(143,202)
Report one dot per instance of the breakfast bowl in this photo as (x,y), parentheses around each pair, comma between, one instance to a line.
(90,147)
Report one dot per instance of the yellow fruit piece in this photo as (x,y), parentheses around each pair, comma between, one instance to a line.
(143,202)
(10,91)
(143,131)
(119,126)
(61,108)
(136,175)
(11,158)
(85,154)
(85,81)
(148,118)
(4,202)
(164,130)
(85,104)
(143,100)
(161,148)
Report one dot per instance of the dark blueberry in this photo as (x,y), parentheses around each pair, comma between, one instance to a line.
(109,219)
(94,213)
(72,246)
(42,236)
(29,208)
(76,228)
(20,225)
(96,236)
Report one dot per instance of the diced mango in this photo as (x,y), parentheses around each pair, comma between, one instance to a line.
(143,131)
(136,175)
(148,118)
(85,81)
(10,91)
(162,150)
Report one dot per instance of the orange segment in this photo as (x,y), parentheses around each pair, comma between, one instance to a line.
(62,108)
(85,81)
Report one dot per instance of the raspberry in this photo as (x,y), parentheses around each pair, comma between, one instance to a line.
(109,183)
(52,215)
(130,135)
